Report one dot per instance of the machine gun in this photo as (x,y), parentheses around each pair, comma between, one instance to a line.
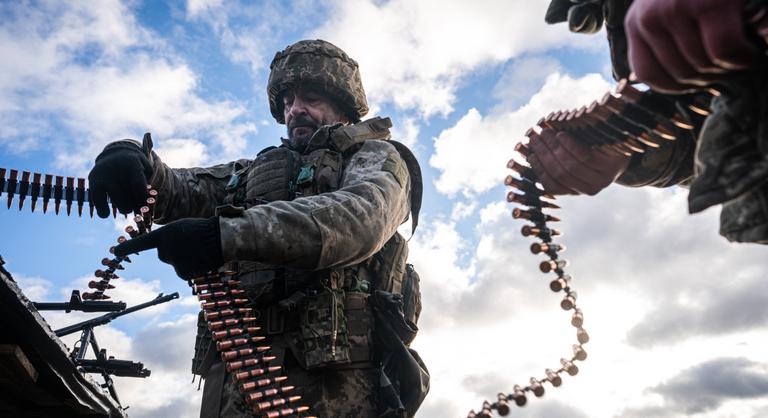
(105,365)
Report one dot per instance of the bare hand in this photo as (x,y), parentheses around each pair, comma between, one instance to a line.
(566,165)
(677,46)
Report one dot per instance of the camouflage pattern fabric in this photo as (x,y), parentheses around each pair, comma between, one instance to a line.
(335,229)
(329,230)
(350,393)
(319,65)
(732,161)
(731,150)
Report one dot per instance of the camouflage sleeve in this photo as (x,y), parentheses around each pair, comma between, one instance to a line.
(333,229)
(670,164)
(189,192)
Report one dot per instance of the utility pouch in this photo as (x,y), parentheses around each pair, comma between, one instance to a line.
(323,329)
(204,352)
(272,176)
(387,267)
(404,380)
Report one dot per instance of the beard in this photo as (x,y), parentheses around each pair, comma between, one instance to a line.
(307,127)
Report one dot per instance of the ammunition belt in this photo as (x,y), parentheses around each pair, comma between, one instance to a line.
(238,342)
(625,121)
(49,188)
(143,220)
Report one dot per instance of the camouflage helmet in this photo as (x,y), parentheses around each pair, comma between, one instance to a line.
(317,64)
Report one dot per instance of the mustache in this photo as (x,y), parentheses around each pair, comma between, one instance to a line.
(302,121)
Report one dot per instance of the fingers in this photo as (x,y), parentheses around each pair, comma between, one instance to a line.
(688,42)
(677,46)
(140,243)
(575,159)
(550,182)
(557,11)
(645,64)
(566,165)
(558,170)
(138,190)
(98,196)
(598,169)
(724,39)
(681,51)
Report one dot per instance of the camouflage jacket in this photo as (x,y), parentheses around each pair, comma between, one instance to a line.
(725,162)
(335,229)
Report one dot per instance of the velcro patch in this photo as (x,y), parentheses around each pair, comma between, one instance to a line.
(397,168)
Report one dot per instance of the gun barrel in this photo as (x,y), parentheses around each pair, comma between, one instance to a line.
(85,306)
(107,318)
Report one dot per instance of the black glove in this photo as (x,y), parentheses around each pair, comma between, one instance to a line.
(588,16)
(583,16)
(121,171)
(192,246)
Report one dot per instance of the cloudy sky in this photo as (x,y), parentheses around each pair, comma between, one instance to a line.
(676,314)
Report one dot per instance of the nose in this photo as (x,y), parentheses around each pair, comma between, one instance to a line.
(297,107)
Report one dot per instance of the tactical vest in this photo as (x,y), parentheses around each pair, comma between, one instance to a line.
(324,315)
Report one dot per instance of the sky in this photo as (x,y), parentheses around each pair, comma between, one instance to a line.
(676,314)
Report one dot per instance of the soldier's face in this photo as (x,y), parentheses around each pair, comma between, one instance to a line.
(305,111)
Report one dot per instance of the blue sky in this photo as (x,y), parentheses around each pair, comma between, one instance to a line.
(668,302)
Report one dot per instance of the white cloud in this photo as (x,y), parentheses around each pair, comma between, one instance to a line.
(406,131)
(462,210)
(415,53)
(35,289)
(472,154)
(521,80)
(632,252)
(183,152)
(197,7)
(248,33)
(96,72)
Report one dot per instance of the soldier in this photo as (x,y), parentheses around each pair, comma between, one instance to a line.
(309,226)
(679,46)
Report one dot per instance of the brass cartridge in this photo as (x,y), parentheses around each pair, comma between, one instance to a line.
(536,387)
(581,336)
(579,353)
(267,393)
(552,265)
(519,396)
(569,301)
(569,367)
(261,383)
(251,362)
(553,378)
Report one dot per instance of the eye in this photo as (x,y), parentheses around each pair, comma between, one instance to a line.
(287,100)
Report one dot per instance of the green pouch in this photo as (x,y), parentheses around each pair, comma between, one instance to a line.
(323,330)
(203,358)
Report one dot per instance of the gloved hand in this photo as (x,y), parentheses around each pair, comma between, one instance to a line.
(565,165)
(192,246)
(680,45)
(583,16)
(121,171)
(588,16)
